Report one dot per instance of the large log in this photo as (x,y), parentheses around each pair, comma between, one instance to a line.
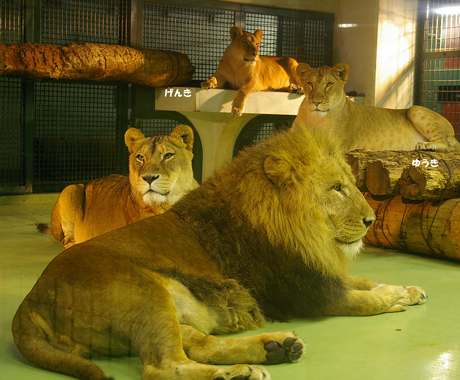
(358,160)
(383,174)
(379,172)
(95,62)
(416,175)
(440,179)
(416,226)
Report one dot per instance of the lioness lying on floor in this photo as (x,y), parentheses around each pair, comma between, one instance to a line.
(244,69)
(160,173)
(211,265)
(366,127)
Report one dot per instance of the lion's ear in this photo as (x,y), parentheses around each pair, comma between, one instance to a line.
(302,70)
(133,135)
(235,32)
(279,172)
(183,134)
(341,71)
(258,33)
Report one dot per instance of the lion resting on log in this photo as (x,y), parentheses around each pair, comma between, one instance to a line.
(160,173)
(365,127)
(210,265)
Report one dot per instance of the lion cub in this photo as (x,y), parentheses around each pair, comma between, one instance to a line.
(366,127)
(160,173)
(244,69)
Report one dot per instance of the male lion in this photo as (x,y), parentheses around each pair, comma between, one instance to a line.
(366,127)
(160,173)
(243,68)
(211,265)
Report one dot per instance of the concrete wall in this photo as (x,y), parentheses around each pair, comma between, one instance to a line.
(394,77)
(355,41)
(377,39)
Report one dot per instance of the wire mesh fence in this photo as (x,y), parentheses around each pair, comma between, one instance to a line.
(56,133)
(202,32)
(441,60)
(260,128)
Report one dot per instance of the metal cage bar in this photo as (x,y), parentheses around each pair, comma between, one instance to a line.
(260,128)
(202,30)
(438,45)
(54,133)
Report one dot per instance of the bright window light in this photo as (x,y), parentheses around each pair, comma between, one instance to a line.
(454,10)
(347,25)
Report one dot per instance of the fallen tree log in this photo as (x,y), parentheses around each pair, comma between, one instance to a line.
(439,180)
(379,172)
(416,175)
(95,62)
(359,160)
(416,226)
(383,174)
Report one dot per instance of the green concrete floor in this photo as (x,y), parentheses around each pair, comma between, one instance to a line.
(420,343)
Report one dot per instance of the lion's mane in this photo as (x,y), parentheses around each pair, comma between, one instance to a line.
(240,211)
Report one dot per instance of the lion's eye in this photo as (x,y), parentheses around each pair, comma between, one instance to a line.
(339,189)
(167,156)
(309,84)
(329,84)
(140,158)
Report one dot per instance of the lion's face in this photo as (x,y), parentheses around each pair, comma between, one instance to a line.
(328,196)
(245,46)
(323,87)
(344,209)
(304,196)
(157,163)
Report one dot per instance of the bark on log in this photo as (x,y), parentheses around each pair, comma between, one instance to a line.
(416,226)
(433,182)
(358,160)
(383,175)
(394,173)
(379,172)
(96,62)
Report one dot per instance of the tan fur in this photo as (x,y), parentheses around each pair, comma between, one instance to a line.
(365,127)
(160,173)
(267,237)
(244,69)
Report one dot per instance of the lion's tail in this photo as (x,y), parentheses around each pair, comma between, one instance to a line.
(33,337)
(44,229)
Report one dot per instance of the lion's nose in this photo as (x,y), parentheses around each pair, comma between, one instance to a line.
(317,103)
(368,221)
(150,178)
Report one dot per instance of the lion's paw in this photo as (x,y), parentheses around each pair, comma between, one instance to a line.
(417,295)
(208,84)
(244,372)
(295,89)
(290,349)
(426,145)
(237,111)
(396,298)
